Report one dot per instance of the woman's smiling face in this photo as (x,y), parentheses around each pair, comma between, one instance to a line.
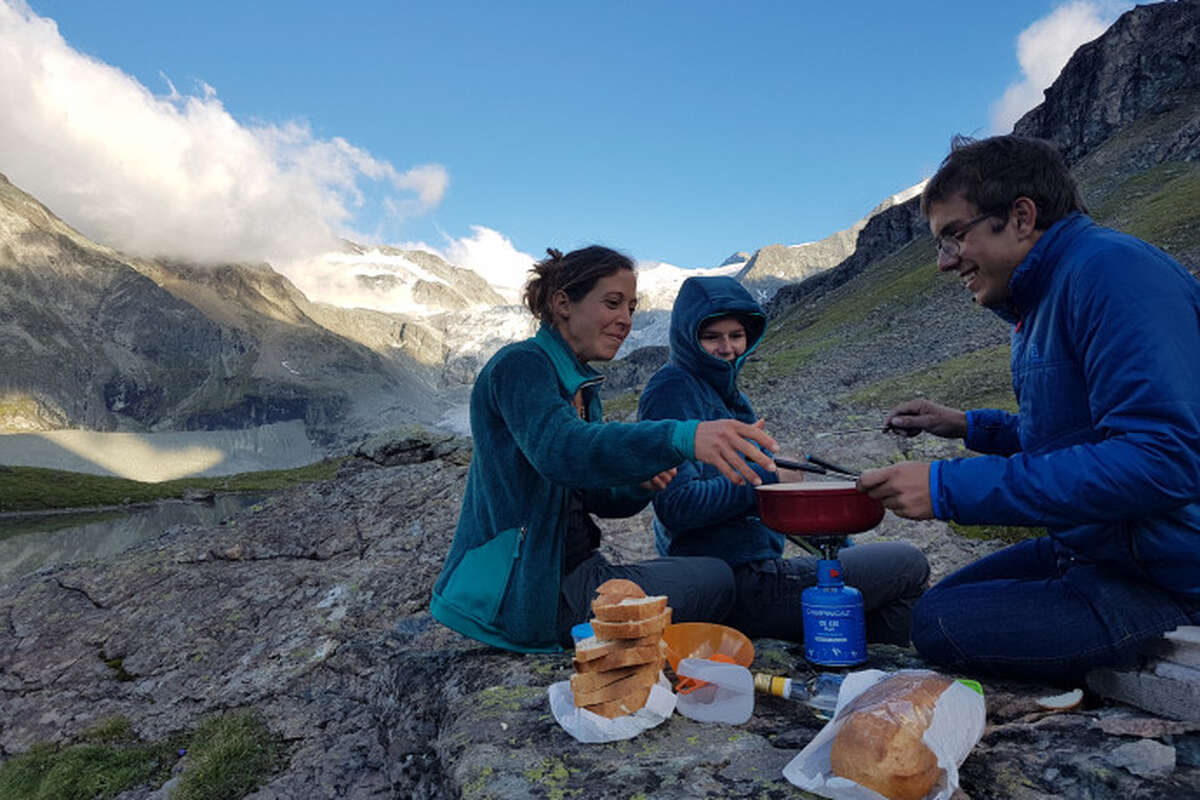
(596,325)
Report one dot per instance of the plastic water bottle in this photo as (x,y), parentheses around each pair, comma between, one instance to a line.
(819,692)
(835,631)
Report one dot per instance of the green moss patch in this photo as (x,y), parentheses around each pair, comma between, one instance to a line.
(37,489)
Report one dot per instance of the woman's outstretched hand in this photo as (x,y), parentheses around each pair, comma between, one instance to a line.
(659,481)
(727,443)
(914,416)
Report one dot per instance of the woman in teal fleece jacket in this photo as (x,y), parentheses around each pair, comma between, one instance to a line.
(715,326)
(524,561)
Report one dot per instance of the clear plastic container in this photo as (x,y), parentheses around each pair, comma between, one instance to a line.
(726,693)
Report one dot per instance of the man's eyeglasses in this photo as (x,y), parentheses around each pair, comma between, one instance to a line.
(950,244)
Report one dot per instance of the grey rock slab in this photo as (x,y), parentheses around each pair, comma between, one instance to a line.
(1144,758)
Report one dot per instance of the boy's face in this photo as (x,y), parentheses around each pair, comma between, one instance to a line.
(724,338)
(987,255)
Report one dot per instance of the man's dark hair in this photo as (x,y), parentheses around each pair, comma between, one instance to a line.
(575,273)
(992,173)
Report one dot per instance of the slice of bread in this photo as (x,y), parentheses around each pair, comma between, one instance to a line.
(587,681)
(628,609)
(644,676)
(621,657)
(594,647)
(651,626)
(622,705)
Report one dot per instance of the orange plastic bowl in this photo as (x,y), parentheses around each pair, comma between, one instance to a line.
(704,640)
(817,508)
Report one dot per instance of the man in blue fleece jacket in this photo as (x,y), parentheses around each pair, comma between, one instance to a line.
(715,326)
(1105,449)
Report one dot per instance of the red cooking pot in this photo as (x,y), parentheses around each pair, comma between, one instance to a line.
(817,508)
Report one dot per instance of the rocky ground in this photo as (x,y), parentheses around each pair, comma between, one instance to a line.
(312,610)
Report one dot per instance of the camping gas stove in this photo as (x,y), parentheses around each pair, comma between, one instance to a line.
(834,623)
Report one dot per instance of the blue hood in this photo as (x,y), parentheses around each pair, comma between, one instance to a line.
(703,298)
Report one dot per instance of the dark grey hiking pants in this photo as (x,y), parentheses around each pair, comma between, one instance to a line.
(890,575)
(698,589)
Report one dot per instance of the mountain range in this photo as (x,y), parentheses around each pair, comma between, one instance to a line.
(97,339)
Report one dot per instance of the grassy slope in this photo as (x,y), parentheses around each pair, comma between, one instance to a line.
(35,489)
(807,332)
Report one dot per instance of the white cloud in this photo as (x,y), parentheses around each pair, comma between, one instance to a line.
(177,174)
(1044,48)
(492,255)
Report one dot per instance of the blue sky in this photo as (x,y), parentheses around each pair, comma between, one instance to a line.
(679,132)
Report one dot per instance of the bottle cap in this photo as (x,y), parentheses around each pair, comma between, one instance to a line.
(581,631)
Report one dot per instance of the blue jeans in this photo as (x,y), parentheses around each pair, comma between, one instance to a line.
(1034,611)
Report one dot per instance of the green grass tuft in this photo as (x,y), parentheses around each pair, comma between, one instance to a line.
(230,755)
(109,761)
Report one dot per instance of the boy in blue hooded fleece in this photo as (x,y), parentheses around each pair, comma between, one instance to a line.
(1105,450)
(715,326)
(524,565)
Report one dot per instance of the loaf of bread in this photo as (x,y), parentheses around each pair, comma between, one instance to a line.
(879,744)
(616,668)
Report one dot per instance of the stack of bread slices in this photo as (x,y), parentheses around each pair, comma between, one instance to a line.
(617,666)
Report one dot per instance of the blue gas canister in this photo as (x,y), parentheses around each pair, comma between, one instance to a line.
(834,626)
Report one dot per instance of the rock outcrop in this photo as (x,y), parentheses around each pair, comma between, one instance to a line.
(1145,64)
(883,234)
(312,609)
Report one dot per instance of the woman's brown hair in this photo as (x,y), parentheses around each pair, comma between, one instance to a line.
(575,273)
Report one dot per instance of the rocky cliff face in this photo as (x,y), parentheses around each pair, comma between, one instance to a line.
(882,234)
(770,266)
(1147,63)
